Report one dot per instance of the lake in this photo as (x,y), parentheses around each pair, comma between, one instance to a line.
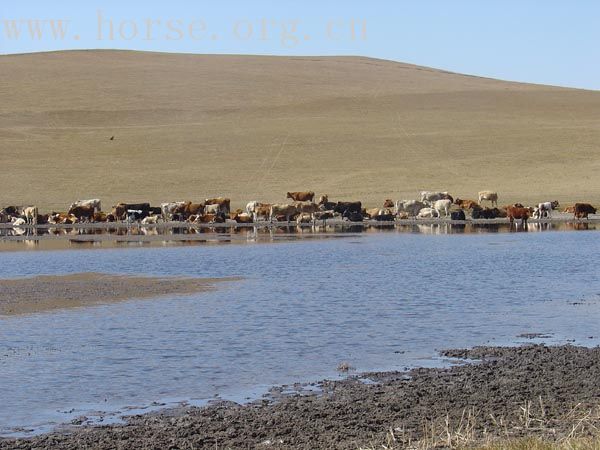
(378,301)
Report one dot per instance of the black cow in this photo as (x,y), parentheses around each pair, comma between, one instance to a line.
(352,215)
(485,213)
(349,207)
(11,211)
(142,210)
(582,210)
(458,215)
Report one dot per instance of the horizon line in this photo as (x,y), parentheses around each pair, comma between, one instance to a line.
(158,52)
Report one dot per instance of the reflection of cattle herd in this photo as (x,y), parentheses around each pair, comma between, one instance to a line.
(302,209)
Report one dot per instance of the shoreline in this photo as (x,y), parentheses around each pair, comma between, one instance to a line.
(173,234)
(494,393)
(555,219)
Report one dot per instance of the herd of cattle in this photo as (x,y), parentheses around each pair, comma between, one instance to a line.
(300,208)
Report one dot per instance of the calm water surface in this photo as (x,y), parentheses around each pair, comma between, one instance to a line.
(381,301)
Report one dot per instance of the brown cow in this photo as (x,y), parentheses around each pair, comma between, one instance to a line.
(210,218)
(465,204)
(233,214)
(388,203)
(582,210)
(224,203)
(515,212)
(100,217)
(62,218)
(514,205)
(379,214)
(282,212)
(262,212)
(569,209)
(192,209)
(243,217)
(305,207)
(307,196)
(82,212)
(204,218)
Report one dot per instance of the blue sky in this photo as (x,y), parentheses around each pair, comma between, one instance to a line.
(551,41)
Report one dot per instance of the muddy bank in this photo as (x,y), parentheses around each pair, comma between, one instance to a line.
(533,390)
(46,293)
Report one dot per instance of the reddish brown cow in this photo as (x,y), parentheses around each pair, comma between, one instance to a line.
(243,218)
(62,218)
(307,196)
(211,218)
(582,210)
(388,203)
(515,212)
(465,204)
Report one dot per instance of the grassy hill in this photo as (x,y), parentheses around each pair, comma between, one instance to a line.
(254,127)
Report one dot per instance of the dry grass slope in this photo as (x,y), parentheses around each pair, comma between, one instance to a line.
(254,127)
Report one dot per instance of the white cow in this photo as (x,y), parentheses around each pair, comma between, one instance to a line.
(212,209)
(433,196)
(251,207)
(31,214)
(168,209)
(94,203)
(490,196)
(150,220)
(411,207)
(18,221)
(545,209)
(428,213)
(304,218)
(442,205)
(282,210)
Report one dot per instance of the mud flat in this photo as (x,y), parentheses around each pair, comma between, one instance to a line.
(497,392)
(46,293)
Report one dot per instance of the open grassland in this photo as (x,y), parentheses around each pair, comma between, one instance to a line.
(254,127)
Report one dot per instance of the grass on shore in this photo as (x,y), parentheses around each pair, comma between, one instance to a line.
(541,444)
(530,428)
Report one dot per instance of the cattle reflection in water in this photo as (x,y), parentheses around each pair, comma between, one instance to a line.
(92,237)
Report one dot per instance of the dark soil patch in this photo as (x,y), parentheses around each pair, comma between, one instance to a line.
(351,414)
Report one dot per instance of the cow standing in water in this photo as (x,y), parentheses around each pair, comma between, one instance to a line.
(545,209)
(515,212)
(31,215)
(582,210)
